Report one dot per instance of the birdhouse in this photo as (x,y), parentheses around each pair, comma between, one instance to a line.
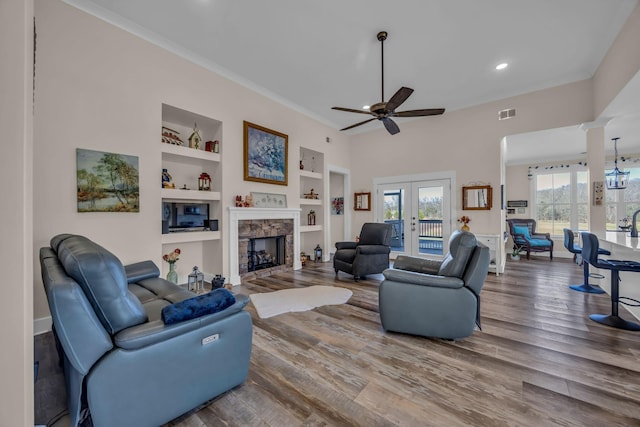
(195,281)
(195,140)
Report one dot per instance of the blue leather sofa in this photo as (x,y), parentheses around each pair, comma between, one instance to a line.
(122,364)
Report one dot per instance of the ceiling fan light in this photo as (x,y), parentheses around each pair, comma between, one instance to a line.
(366,107)
(502,66)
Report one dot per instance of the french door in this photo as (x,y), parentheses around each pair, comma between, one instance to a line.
(420,213)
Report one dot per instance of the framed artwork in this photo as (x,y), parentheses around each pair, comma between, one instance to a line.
(107,182)
(362,202)
(337,206)
(268,200)
(265,155)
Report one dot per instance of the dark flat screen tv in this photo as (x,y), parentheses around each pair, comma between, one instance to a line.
(186,216)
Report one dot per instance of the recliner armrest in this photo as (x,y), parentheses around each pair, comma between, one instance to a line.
(346,245)
(423,279)
(153,332)
(372,249)
(418,265)
(140,271)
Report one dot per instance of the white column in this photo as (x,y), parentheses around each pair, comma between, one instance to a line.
(596,165)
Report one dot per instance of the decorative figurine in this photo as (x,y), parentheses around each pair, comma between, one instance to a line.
(303,258)
(239,202)
(166,180)
(248,201)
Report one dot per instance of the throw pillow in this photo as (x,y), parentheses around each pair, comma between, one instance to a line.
(522,230)
(195,307)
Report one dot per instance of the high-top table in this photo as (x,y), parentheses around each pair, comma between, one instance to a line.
(625,247)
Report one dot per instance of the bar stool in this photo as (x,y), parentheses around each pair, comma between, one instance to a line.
(569,243)
(590,247)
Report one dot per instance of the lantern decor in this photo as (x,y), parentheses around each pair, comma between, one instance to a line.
(195,281)
(311,217)
(217,281)
(204,182)
(317,253)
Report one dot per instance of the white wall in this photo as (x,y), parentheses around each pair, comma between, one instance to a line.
(336,189)
(465,141)
(16,250)
(101,88)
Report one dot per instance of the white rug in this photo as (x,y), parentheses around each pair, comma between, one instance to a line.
(298,299)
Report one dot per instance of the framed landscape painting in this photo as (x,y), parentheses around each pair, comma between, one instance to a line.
(107,182)
(265,155)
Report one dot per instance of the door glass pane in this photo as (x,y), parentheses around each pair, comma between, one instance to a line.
(430,208)
(394,215)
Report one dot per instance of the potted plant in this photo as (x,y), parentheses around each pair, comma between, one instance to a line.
(515,254)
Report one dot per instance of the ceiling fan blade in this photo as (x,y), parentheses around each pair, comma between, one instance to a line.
(419,113)
(391,126)
(351,110)
(398,98)
(358,124)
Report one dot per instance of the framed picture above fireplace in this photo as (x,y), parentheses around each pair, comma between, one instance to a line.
(268,200)
(265,155)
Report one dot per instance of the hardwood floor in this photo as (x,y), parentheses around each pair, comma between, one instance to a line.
(539,361)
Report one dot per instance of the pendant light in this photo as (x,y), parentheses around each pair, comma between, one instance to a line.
(616,179)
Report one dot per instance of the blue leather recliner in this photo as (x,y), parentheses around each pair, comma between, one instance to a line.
(122,364)
(439,299)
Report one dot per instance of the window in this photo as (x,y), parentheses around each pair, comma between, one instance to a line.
(623,203)
(561,201)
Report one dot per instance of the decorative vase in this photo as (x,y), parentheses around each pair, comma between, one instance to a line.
(172,275)
(465,227)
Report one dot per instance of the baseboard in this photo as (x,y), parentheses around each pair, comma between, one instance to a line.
(42,325)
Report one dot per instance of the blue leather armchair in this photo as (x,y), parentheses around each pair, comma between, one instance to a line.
(439,299)
(121,362)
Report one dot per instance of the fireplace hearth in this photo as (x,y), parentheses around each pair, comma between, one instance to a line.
(265,252)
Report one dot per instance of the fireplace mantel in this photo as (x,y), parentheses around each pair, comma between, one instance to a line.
(240,214)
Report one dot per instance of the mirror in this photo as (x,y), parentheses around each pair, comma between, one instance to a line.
(362,202)
(476,198)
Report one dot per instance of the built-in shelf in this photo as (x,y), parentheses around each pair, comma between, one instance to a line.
(190,236)
(309,174)
(310,202)
(308,228)
(181,152)
(193,195)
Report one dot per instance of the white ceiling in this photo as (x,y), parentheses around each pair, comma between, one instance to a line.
(312,55)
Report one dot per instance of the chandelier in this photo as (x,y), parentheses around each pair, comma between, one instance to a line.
(616,179)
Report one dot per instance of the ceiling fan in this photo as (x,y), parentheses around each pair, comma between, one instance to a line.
(383,111)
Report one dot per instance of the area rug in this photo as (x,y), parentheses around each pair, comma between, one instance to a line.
(298,299)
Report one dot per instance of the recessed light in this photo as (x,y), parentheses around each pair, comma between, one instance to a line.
(502,66)
(366,107)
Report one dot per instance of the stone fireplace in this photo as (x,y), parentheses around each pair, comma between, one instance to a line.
(264,247)
(258,225)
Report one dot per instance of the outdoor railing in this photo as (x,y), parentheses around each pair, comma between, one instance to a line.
(429,232)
